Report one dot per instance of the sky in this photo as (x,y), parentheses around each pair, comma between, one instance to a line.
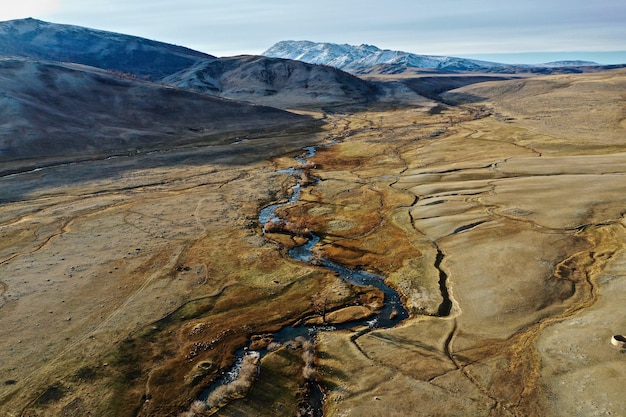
(521,31)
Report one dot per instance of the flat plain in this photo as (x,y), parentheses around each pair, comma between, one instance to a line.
(127,284)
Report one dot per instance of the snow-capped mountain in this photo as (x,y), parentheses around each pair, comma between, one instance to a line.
(36,39)
(356,59)
(364,59)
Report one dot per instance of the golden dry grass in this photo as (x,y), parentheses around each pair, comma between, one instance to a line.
(125,294)
(528,214)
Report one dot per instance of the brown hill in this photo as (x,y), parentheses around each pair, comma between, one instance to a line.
(564,106)
(39,40)
(276,82)
(65,112)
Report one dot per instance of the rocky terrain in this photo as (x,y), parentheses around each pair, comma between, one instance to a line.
(137,277)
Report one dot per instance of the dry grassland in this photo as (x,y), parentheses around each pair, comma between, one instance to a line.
(127,284)
(521,195)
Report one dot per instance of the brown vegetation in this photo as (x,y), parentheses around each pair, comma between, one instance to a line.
(225,393)
(525,216)
(161,265)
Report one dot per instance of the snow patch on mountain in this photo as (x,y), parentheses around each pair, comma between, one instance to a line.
(356,58)
(362,58)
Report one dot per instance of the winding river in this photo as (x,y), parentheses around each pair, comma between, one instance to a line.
(392,313)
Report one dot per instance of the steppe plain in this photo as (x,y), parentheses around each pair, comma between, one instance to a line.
(128,283)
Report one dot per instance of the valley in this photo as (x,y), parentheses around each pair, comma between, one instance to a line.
(214,243)
(144,276)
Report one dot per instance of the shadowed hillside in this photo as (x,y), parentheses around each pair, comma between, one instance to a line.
(31,38)
(272,81)
(66,111)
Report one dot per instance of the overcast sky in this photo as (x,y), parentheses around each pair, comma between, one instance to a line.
(438,27)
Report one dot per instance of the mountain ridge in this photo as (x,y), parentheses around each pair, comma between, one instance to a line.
(37,39)
(354,59)
(274,81)
(362,59)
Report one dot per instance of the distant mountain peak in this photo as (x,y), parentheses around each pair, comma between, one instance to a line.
(367,59)
(570,63)
(359,58)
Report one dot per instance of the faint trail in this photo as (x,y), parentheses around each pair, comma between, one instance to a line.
(196,214)
(58,357)
(3,288)
(61,230)
(65,223)
(170,265)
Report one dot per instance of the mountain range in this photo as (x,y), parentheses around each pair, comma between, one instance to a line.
(256,79)
(364,59)
(68,90)
(359,58)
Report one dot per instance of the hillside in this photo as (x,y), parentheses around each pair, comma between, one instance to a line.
(67,111)
(275,82)
(39,40)
(574,99)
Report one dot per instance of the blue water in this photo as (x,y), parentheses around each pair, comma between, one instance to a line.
(392,313)
(393,304)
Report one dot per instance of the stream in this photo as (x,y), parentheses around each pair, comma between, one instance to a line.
(392,313)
